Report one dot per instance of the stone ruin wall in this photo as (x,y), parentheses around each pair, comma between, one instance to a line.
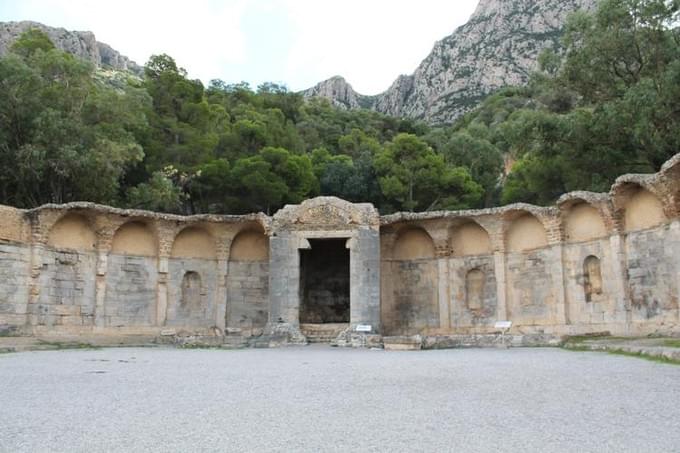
(595,262)
(84,268)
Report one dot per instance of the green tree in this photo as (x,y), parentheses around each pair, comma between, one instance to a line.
(412,176)
(185,129)
(213,190)
(272,178)
(160,193)
(472,149)
(30,42)
(64,136)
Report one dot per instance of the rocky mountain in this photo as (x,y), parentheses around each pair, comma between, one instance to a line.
(339,92)
(80,43)
(497,47)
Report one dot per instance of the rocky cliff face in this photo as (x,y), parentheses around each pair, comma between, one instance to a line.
(497,47)
(82,44)
(339,92)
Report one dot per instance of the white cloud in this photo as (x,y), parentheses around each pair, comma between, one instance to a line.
(299,42)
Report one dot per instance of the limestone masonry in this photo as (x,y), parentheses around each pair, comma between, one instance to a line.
(329,270)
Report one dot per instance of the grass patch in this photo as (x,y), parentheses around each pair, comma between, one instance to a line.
(199,346)
(640,355)
(58,345)
(577,347)
(672,343)
(584,338)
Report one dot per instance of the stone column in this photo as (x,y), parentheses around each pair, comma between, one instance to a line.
(561,311)
(221,302)
(40,227)
(496,230)
(166,237)
(284,290)
(284,278)
(501,285)
(444,293)
(162,291)
(553,226)
(365,279)
(619,267)
(675,233)
(33,315)
(100,288)
(104,242)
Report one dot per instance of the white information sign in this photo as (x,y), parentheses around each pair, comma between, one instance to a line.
(364,328)
(504,325)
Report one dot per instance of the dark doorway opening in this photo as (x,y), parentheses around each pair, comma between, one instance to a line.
(324,282)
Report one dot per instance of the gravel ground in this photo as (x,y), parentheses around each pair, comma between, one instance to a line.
(323,399)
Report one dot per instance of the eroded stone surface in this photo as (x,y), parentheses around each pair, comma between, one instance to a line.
(595,262)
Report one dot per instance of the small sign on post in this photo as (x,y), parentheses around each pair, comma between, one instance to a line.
(504,326)
(365,328)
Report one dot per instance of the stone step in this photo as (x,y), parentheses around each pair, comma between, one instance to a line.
(320,340)
(403,343)
(234,342)
(322,333)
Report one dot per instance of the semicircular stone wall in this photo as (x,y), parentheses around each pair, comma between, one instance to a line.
(592,263)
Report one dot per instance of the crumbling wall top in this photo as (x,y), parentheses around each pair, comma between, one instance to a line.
(326,213)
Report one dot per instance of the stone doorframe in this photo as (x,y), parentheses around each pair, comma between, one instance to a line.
(323,218)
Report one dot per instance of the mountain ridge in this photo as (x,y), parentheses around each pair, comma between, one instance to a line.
(497,47)
(82,44)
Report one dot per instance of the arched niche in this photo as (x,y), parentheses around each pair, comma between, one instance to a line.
(250,245)
(592,272)
(134,238)
(474,289)
(643,210)
(413,244)
(194,242)
(583,222)
(470,239)
(526,232)
(74,232)
(191,290)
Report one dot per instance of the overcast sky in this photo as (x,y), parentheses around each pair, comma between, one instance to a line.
(294,42)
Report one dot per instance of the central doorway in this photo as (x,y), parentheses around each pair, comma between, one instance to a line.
(324,282)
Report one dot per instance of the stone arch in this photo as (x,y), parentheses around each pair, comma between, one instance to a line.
(469,239)
(583,222)
(194,242)
(642,210)
(525,232)
(135,238)
(474,289)
(412,244)
(592,272)
(72,231)
(249,245)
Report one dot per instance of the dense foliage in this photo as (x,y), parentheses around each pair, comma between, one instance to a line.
(606,105)
(610,104)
